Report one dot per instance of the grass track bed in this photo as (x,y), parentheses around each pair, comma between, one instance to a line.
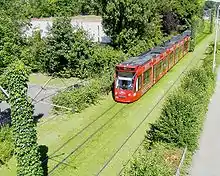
(87,160)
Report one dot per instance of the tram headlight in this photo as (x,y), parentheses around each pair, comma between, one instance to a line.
(134,94)
(129,94)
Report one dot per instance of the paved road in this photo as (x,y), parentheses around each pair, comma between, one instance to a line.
(206,161)
(40,108)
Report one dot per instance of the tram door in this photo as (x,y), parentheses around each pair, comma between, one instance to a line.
(138,83)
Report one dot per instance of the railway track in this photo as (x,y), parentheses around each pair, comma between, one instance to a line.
(73,141)
(76,150)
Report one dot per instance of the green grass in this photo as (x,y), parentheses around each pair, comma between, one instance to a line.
(202,35)
(41,79)
(89,159)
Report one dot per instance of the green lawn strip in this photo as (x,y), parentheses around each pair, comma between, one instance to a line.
(75,142)
(108,139)
(41,79)
(203,35)
(66,126)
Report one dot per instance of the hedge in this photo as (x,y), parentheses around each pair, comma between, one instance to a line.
(161,160)
(183,113)
(80,98)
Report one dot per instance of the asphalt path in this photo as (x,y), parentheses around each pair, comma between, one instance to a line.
(40,109)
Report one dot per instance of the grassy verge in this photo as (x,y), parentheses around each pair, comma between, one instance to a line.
(89,159)
(41,79)
(203,35)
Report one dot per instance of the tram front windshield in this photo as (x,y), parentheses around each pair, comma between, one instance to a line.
(125,80)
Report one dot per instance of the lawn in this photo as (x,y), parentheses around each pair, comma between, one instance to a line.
(111,125)
(41,79)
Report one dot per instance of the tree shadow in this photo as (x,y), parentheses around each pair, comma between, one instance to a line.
(43,149)
(5,117)
(38,117)
(113,91)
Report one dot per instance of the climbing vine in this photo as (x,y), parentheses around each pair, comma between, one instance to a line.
(24,133)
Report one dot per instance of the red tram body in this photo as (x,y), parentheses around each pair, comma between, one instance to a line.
(135,76)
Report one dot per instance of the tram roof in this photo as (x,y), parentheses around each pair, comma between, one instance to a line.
(148,55)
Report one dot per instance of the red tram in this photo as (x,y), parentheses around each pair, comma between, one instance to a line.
(138,74)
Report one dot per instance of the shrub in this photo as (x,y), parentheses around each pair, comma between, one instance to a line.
(6,144)
(178,122)
(80,98)
(182,114)
(24,132)
(161,160)
(104,59)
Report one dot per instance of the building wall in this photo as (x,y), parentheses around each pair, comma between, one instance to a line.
(91,24)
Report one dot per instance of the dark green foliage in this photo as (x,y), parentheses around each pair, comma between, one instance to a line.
(42,8)
(24,133)
(127,22)
(178,121)
(6,145)
(161,160)
(80,98)
(183,113)
(66,49)
(33,53)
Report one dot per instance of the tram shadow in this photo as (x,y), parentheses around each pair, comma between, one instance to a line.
(113,91)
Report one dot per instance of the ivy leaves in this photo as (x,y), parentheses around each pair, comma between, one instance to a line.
(24,133)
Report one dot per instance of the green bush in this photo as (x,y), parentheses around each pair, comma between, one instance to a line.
(178,122)
(80,98)
(104,59)
(183,113)
(6,144)
(161,160)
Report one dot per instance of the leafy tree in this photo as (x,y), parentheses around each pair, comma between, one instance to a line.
(66,49)
(127,21)
(33,53)
(24,133)
(10,39)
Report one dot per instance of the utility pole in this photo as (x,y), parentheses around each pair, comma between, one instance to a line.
(216,36)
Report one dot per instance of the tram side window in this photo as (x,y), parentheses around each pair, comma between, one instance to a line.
(186,45)
(171,58)
(177,54)
(138,83)
(146,77)
(158,68)
(165,65)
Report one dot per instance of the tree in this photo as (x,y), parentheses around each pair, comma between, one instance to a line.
(24,133)
(67,49)
(127,21)
(33,52)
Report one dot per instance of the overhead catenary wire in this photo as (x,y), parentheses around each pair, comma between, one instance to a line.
(60,90)
(42,87)
(101,115)
(4,91)
(79,146)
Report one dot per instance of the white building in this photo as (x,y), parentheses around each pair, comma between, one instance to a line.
(91,24)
